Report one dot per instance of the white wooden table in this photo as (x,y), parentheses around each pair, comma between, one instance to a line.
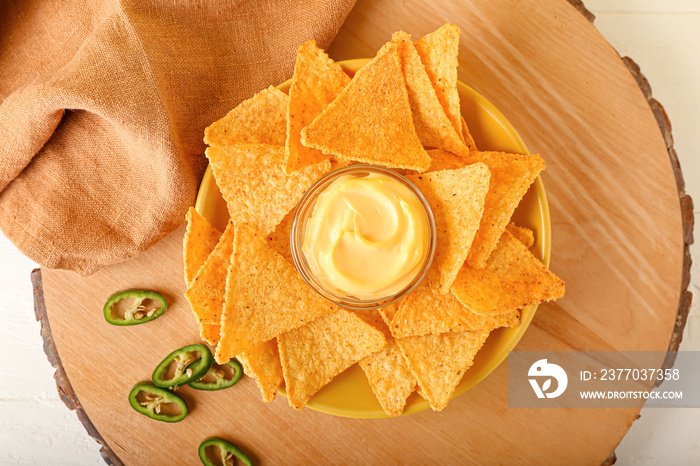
(662,36)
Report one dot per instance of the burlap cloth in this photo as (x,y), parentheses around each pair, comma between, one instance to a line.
(104,104)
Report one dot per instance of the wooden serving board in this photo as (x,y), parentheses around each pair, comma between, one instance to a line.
(618,242)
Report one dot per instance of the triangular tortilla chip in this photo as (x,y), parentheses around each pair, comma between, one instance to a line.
(279,239)
(316,82)
(370,121)
(433,127)
(512,279)
(200,240)
(511,176)
(206,292)
(262,363)
(439,51)
(426,312)
(522,234)
(390,378)
(210,333)
(260,119)
(439,361)
(265,296)
(387,372)
(314,354)
(456,198)
(252,181)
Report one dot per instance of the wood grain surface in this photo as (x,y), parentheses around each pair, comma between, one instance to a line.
(617,241)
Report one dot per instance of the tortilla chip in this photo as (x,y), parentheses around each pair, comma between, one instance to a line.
(200,240)
(252,181)
(260,119)
(206,292)
(512,279)
(432,125)
(426,312)
(438,362)
(387,372)
(370,121)
(279,240)
(466,135)
(317,81)
(265,296)
(210,333)
(456,198)
(314,354)
(511,176)
(438,52)
(522,234)
(390,378)
(262,363)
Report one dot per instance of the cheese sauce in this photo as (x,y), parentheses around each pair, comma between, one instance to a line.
(367,236)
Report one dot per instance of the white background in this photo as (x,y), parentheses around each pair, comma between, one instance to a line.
(662,36)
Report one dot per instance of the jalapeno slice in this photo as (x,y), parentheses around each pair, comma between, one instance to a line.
(134,307)
(183,365)
(219,376)
(215,451)
(157,403)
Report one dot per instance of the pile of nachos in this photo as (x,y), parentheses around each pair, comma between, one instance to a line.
(401,110)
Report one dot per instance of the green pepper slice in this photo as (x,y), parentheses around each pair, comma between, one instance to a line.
(219,377)
(183,365)
(157,403)
(215,451)
(145,306)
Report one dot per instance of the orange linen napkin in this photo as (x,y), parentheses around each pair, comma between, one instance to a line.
(103,105)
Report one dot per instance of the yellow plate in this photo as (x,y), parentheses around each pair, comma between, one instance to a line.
(349,394)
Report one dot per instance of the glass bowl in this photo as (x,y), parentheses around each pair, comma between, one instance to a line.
(303,213)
